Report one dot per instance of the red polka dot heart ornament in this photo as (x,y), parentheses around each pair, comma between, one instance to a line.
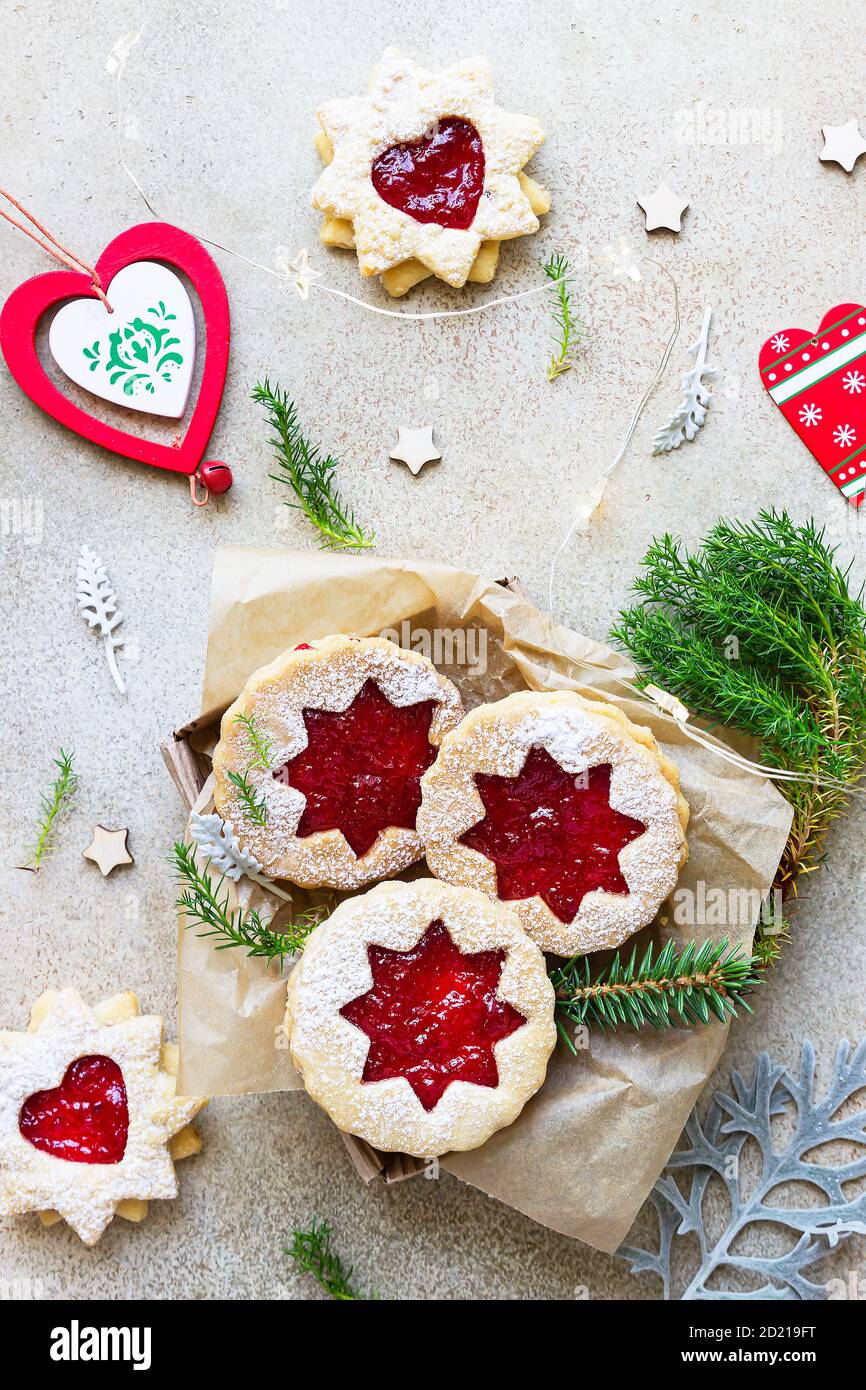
(123,330)
(818,381)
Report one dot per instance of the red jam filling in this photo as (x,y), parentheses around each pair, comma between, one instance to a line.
(439,178)
(552,833)
(361,769)
(85,1119)
(432,1015)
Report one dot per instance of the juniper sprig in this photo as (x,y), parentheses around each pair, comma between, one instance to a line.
(255,806)
(261,745)
(51,803)
(558,270)
(311,1250)
(209,915)
(309,474)
(758,629)
(668,990)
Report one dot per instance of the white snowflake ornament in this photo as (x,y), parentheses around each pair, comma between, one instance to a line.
(90,1125)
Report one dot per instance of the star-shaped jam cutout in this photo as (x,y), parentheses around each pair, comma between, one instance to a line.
(433,1015)
(361,769)
(552,833)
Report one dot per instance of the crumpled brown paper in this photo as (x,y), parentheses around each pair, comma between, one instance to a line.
(585,1152)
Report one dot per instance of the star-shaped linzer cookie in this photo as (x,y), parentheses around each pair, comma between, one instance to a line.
(415,447)
(664,208)
(843,144)
(109,849)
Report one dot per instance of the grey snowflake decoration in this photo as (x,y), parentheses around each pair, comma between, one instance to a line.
(716,1148)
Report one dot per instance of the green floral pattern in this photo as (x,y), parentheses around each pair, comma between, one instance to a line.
(142,354)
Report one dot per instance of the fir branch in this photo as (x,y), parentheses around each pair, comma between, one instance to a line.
(759,629)
(668,990)
(261,744)
(558,269)
(209,915)
(312,1253)
(255,807)
(51,803)
(309,474)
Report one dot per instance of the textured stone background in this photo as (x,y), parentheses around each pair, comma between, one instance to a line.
(219,115)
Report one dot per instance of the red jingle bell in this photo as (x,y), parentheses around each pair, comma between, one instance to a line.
(217,477)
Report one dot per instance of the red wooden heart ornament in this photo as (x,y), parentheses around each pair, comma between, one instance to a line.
(85,1119)
(439,178)
(151,241)
(818,381)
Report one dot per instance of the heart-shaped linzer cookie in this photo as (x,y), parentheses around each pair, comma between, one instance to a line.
(439,178)
(818,381)
(85,1119)
(141,354)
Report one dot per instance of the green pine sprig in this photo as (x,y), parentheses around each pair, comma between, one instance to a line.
(51,803)
(254,805)
(309,474)
(758,629)
(666,990)
(558,269)
(208,913)
(311,1250)
(261,745)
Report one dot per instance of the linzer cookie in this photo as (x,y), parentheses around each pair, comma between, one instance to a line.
(320,759)
(90,1126)
(421,1017)
(818,381)
(564,809)
(425,174)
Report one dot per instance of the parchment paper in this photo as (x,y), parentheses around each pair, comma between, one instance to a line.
(585,1152)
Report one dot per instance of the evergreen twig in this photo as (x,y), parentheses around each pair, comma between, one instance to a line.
(310,475)
(255,806)
(261,745)
(558,269)
(669,990)
(209,915)
(51,803)
(312,1253)
(758,629)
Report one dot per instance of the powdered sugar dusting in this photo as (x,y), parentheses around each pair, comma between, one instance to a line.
(578,734)
(404,102)
(327,675)
(87,1195)
(330,1052)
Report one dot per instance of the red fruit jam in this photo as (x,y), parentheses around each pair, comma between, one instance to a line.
(439,178)
(85,1119)
(433,1015)
(552,832)
(361,770)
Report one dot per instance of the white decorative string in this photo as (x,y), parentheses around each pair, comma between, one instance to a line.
(626,439)
(116,64)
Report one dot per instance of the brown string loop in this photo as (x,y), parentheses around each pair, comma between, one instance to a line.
(54,247)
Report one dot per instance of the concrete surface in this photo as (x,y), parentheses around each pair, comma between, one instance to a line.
(219,115)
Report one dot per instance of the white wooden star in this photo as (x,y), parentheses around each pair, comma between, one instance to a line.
(664,208)
(415,447)
(304,273)
(843,144)
(108,849)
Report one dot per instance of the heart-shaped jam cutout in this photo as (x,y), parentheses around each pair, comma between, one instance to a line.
(85,1119)
(361,769)
(433,1015)
(439,178)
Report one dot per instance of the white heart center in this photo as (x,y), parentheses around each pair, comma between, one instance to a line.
(141,355)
